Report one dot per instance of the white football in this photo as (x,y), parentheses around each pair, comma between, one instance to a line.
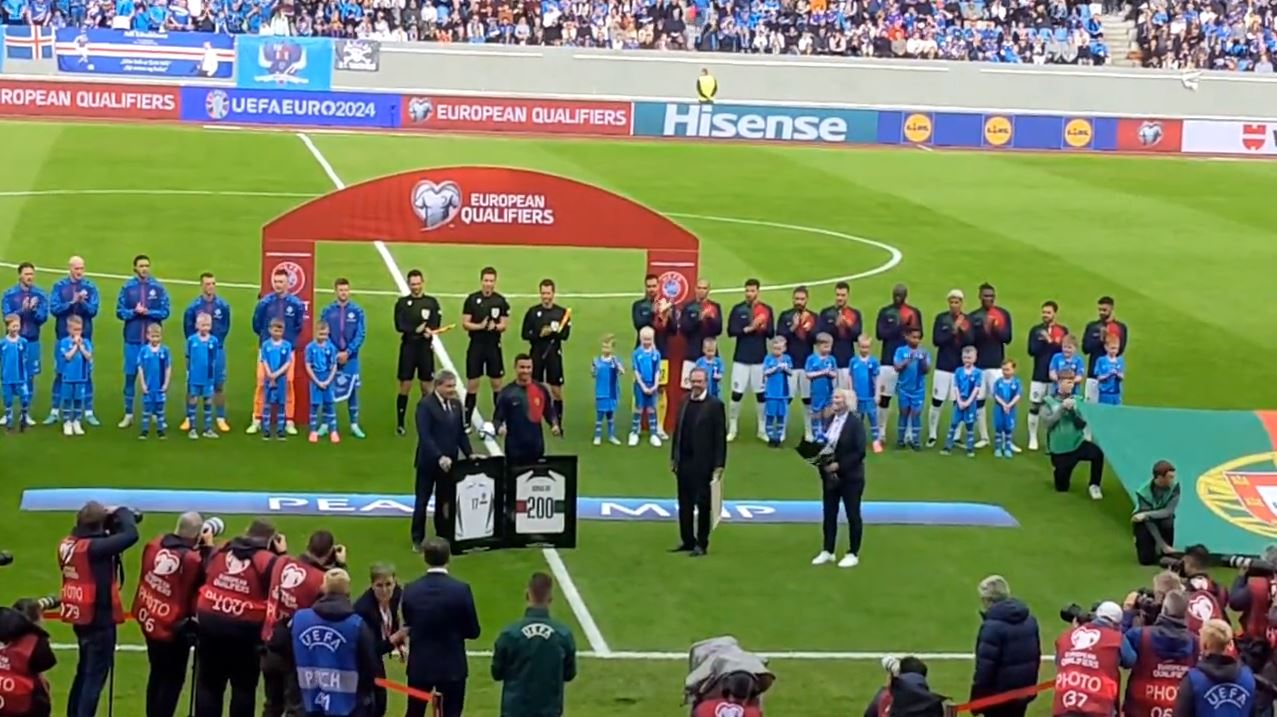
(487,430)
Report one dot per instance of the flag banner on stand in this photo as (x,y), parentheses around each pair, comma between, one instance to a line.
(115,52)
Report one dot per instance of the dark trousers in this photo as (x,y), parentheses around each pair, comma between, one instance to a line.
(693,495)
(279,687)
(97,659)
(848,494)
(454,698)
(424,489)
(1145,546)
(1064,463)
(222,660)
(168,673)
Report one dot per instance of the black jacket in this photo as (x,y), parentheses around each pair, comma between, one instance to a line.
(440,614)
(15,625)
(910,696)
(368,609)
(104,551)
(1008,653)
(708,437)
(439,433)
(335,608)
(849,451)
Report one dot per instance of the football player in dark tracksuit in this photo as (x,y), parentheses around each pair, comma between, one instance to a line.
(1045,340)
(1093,339)
(799,328)
(890,327)
(845,324)
(699,319)
(656,311)
(950,333)
(991,326)
(521,407)
(545,327)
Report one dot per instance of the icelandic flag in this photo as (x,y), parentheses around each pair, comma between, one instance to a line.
(28,42)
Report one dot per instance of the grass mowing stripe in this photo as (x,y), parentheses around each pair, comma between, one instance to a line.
(552,557)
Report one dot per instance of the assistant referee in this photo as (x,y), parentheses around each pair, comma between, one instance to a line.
(485,315)
(545,327)
(417,318)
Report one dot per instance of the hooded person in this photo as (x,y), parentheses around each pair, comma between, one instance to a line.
(906,693)
(1008,653)
(25,654)
(1219,685)
(1158,656)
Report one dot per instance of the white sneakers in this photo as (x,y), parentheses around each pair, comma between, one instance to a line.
(633,439)
(1033,443)
(731,430)
(848,561)
(598,440)
(72,428)
(126,421)
(290,428)
(253,427)
(655,440)
(1096,493)
(982,443)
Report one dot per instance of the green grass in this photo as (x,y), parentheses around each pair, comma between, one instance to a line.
(1180,244)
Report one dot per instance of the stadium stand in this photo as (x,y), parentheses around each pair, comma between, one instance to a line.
(1190,34)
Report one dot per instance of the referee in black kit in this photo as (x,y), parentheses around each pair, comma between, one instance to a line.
(486,315)
(417,318)
(546,327)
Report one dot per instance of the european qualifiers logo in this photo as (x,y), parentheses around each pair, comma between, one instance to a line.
(440,204)
(1244,493)
(1150,133)
(420,109)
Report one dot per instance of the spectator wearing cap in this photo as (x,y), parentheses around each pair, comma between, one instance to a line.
(1153,521)
(1008,652)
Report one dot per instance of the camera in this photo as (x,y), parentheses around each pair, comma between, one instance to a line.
(113,518)
(49,602)
(1074,614)
(1147,605)
(214,527)
(1254,567)
(6,558)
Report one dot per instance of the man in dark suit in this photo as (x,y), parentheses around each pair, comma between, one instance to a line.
(843,479)
(439,612)
(698,453)
(441,439)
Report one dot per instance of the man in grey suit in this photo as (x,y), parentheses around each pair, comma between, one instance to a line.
(441,440)
(698,453)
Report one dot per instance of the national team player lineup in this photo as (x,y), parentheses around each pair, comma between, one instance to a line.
(795,358)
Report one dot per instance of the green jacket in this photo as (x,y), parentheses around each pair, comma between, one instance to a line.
(1064,429)
(533,658)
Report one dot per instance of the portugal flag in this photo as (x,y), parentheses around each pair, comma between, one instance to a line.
(1226,462)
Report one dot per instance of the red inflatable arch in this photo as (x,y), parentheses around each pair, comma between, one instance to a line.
(491,206)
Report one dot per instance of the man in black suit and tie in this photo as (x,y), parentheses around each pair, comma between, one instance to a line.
(698,453)
(439,612)
(441,439)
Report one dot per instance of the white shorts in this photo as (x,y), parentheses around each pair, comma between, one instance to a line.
(746,376)
(1038,391)
(942,386)
(1092,391)
(799,385)
(844,378)
(988,377)
(686,381)
(887,381)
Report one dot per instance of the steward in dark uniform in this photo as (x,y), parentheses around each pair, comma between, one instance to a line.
(534,657)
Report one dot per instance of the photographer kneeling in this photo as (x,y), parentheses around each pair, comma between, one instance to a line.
(25,653)
(90,562)
(1159,656)
(1088,660)
(1153,521)
(907,693)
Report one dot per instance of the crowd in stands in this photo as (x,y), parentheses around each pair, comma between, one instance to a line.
(1207,34)
(1036,31)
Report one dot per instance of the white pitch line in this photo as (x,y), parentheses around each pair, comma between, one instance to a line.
(552,557)
(808,655)
(894,254)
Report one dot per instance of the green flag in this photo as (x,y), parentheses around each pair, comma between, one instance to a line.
(1226,462)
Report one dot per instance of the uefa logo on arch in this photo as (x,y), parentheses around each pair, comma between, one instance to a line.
(296,275)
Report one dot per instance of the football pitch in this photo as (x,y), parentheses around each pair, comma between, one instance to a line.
(1186,247)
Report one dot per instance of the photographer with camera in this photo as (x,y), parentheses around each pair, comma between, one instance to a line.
(164,606)
(231,609)
(25,654)
(907,693)
(1219,686)
(1143,605)
(91,572)
(1251,595)
(1153,521)
(1206,598)
(295,584)
(1008,652)
(1159,656)
(1088,660)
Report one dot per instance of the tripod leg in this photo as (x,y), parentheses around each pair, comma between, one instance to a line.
(195,662)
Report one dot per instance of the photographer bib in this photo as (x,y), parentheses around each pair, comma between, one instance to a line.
(1087,659)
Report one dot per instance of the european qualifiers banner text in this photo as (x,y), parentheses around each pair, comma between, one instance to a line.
(82,100)
(114,52)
